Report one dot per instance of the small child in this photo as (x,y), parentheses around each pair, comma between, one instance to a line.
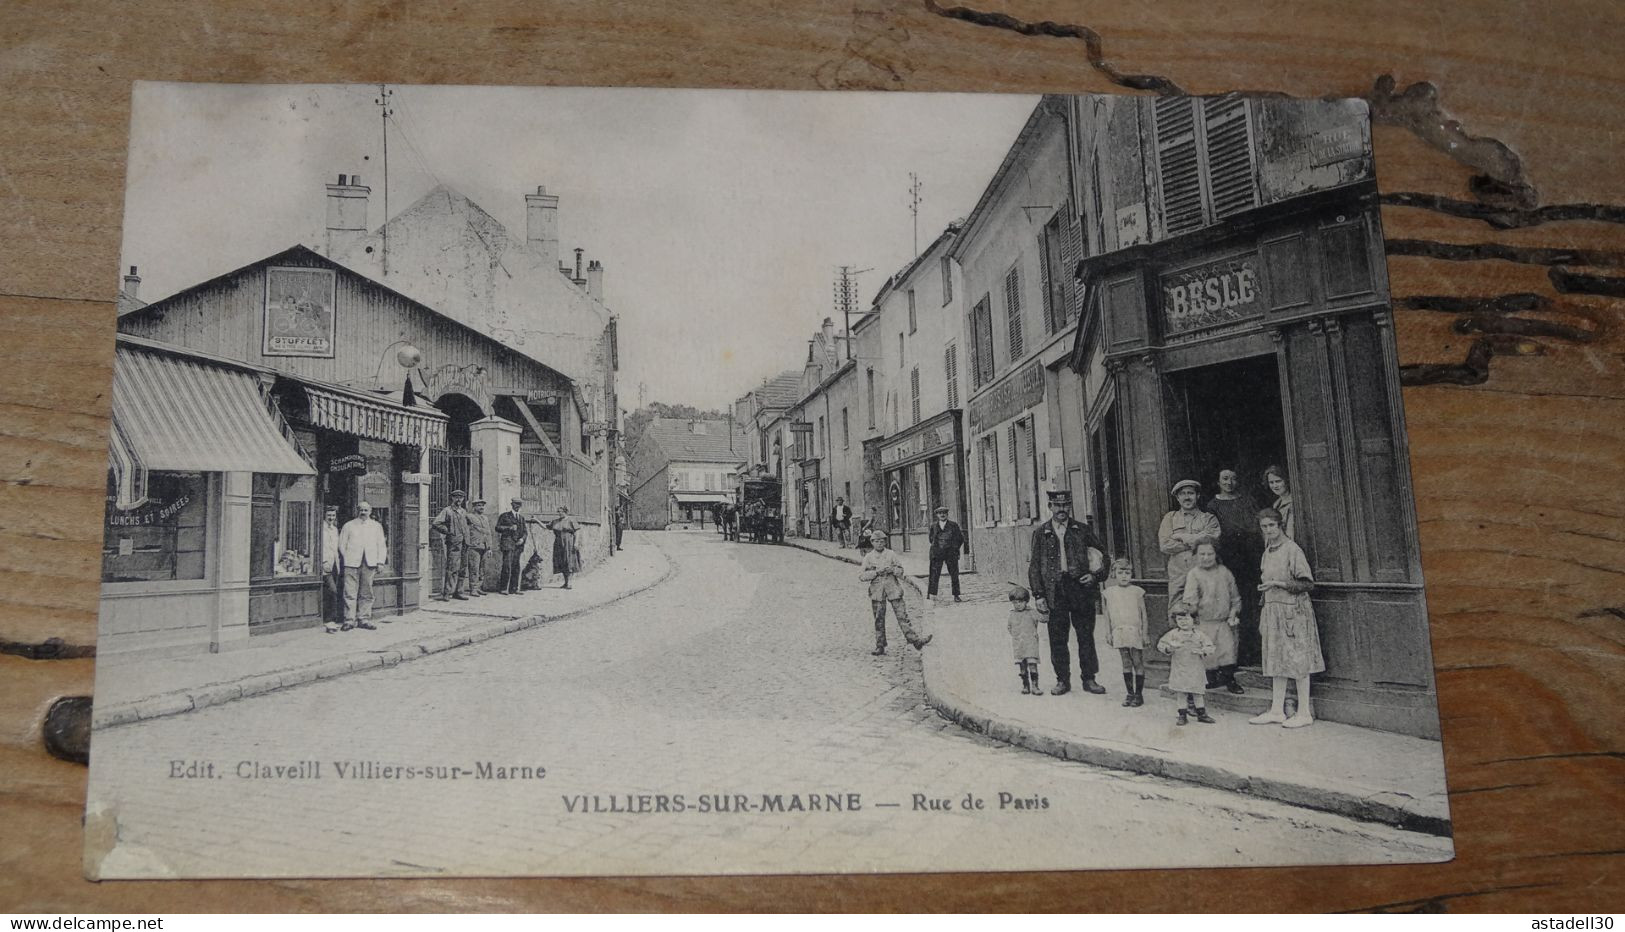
(1124,605)
(1186,674)
(1211,590)
(1024,625)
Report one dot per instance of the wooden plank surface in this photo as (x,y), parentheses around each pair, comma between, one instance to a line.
(1513,104)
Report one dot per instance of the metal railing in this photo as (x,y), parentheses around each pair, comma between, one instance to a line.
(547,481)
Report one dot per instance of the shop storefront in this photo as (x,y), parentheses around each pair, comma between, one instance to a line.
(365,448)
(920,470)
(1267,341)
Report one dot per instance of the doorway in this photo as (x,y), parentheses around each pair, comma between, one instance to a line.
(1228,416)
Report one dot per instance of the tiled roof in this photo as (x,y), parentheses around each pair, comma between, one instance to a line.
(782,390)
(686,441)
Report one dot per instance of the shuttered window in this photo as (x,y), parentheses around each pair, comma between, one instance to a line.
(990,478)
(1204,160)
(950,368)
(1023,467)
(947,280)
(1012,307)
(913,319)
(981,320)
(1051,274)
(871,374)
(914,391)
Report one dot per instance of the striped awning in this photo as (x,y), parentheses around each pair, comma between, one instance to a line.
(180,413)
(378,418)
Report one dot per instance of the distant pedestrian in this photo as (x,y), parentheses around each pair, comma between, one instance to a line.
(478,545)
(1187,646)
(620,524)
(362,549)
(883,571)
(1210,588)
(945,539)
(451,528)
(332,572)
(1024,624)
(840,520)
(511,535)
(566,558)
(1126,628)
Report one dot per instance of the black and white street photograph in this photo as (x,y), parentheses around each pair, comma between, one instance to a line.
(545,481)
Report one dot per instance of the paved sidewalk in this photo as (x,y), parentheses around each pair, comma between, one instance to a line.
(135,688)
(970,677)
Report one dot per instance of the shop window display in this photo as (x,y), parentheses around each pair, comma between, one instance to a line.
(165,537)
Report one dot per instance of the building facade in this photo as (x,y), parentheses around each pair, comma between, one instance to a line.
(1020,303)
(682,470)
(1239,319)
(910,347)
(822,464)
(372,390)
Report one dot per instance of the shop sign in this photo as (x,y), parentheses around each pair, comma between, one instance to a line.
(1022,390)
(1211,295)
(929,442)
(299,312)
(801,427)
(353,462)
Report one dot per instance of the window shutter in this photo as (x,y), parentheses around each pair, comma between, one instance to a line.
(914,391)
(1045,238)
(950,367)
(1229,155)
(982,335)
(1178,164)
(1072,250)
(1012,304)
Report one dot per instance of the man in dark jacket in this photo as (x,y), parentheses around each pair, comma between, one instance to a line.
(1065,574)
(947,539)
(511,534)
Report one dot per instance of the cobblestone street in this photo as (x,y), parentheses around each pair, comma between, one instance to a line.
(742,681)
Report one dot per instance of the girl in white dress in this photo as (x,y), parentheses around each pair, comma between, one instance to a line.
(1124,605)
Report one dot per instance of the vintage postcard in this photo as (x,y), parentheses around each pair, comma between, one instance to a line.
(513,481)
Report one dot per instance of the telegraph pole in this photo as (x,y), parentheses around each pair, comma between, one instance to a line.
(914,200)
(384,113)
(846,298)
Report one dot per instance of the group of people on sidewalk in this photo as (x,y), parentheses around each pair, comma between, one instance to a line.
(1069,579)
(463,538)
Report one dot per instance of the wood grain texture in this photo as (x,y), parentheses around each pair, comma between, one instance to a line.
(1517,478)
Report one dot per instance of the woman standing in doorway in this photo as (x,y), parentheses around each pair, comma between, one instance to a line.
(566,558)
(1291,639)
(1181,531)
(1275,478)
(1239,550)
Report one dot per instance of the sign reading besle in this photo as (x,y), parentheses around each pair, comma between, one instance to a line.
(1210,295)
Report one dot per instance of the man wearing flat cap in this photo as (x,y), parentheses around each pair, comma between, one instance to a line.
(511,535)
(1064,575)
(946,539)
(474,550)
(451,527)
(1182,530)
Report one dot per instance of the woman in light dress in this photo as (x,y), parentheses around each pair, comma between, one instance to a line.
(1291,639)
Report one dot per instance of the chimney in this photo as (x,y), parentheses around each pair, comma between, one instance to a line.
(576,277)
(542,223)
(132,283)
(595,280)
(828,330)
(346,214)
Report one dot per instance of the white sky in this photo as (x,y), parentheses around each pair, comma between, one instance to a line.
(720,216)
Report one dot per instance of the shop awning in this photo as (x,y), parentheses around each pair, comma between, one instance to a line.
(702,498)
(176,412)
(374,417)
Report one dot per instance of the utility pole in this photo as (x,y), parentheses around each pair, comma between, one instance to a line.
(846,298)
(914,200)
(384,113)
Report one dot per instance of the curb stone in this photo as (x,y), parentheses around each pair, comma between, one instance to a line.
(194,698)
(1384,806)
